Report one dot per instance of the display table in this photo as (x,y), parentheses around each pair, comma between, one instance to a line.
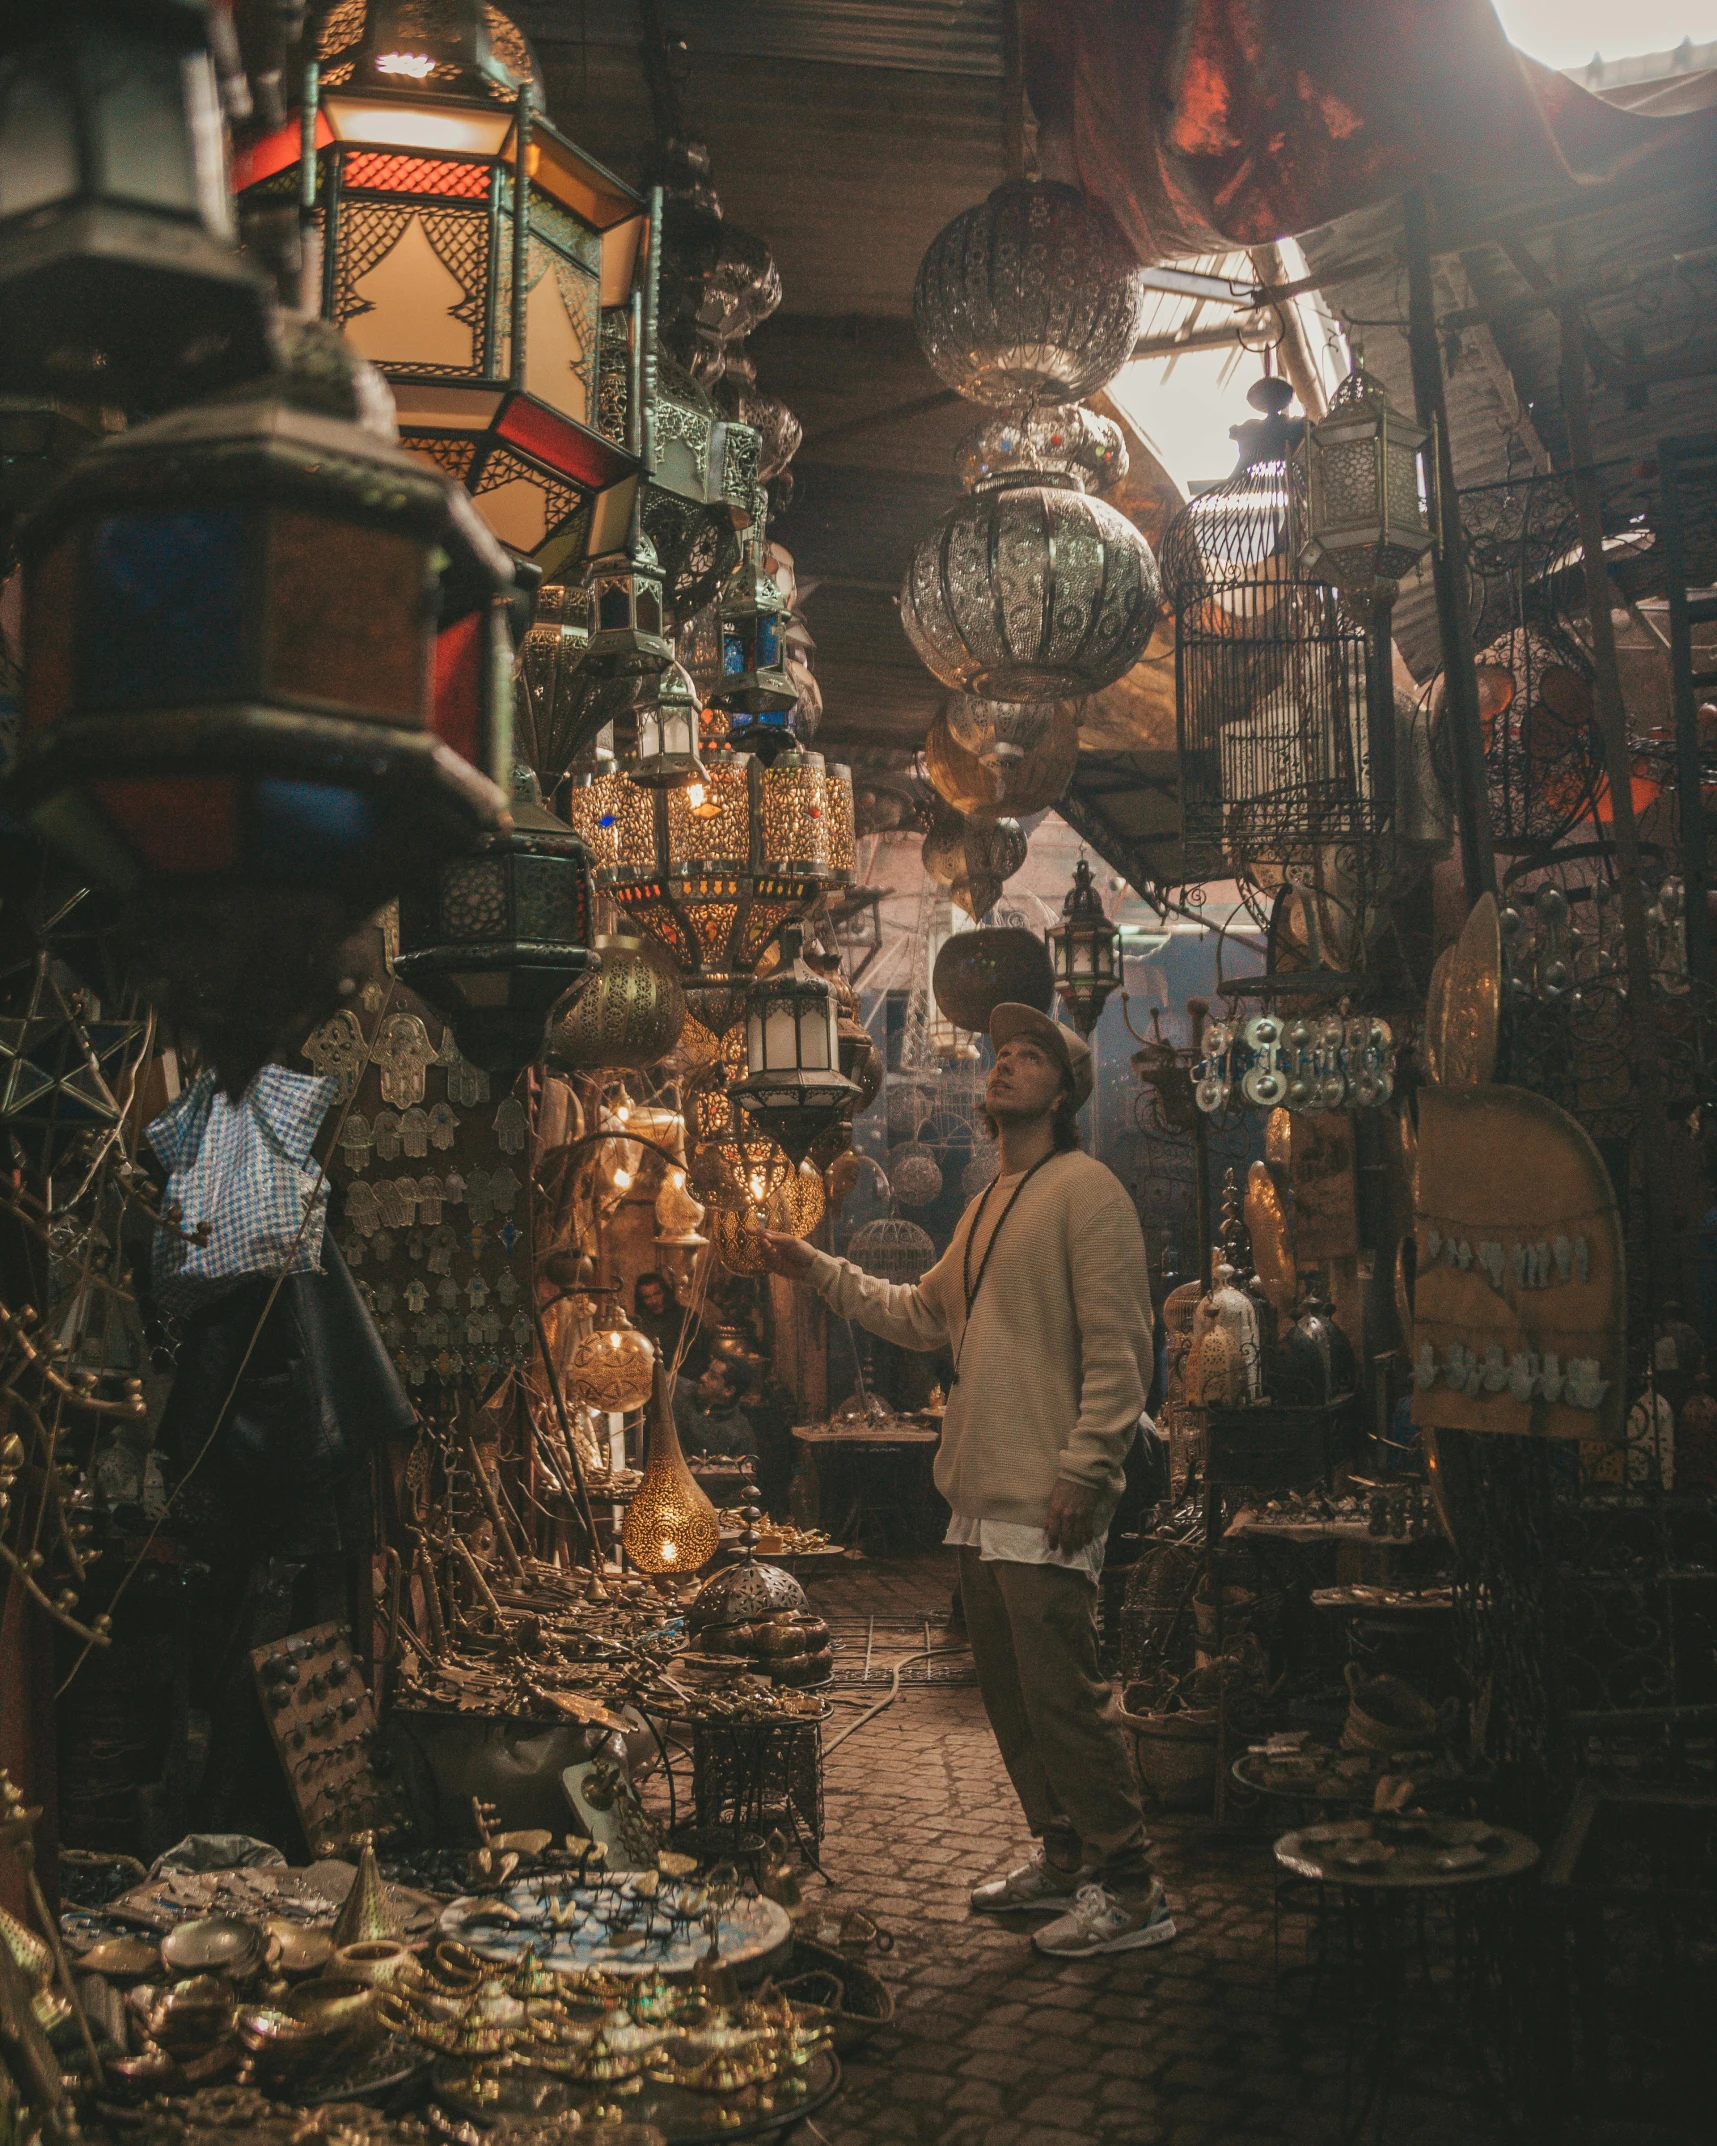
(876,1478)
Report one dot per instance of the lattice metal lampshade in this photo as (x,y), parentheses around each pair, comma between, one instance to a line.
(1029,589)
(1365,517)
(630,1013)
(431,146)
(793,1088)
(671,1527)
(120,276)
(232,669)
(915,1174)
(714,884)
(1085,949)
(1001,788)
(974,860)
(893,1249)
(754,680)
(1284,701)
(739,1175)
(612,1370)
(628,614)
(504,934)
(1031,296)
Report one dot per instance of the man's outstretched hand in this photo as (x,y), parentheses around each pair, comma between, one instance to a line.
(1068,1523)
(790,1256)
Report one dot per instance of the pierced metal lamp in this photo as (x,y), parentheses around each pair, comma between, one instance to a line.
(793,1088)
(671,1527)
(1084,950)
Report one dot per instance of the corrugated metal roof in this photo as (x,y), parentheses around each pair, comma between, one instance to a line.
(962,37)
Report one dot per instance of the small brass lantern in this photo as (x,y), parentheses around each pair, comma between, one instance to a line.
(1084,950)
(1365,513)
(793,1088)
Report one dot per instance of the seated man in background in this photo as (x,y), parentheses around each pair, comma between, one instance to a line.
(709,1417)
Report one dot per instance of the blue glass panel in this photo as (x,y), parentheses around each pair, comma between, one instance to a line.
(768,639)
(165,617)
(732,655)
(303,830)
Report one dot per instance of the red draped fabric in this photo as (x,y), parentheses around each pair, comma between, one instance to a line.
(1209,124)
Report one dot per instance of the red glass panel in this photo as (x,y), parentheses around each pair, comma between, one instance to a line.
(383,174)
(578,454)
(176,823)
(274,152)
(459,657)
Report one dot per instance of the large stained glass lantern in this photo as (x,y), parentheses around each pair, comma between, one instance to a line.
(793,1088)
(1365,512)
(715,880)
(1085,951)
(1031,296)
(120,274)
(475,254)
(502,934)
(263,647)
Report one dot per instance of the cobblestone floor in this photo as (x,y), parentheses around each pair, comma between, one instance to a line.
(1185,2045)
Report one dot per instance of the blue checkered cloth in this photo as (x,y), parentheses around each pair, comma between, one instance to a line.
(243,1168)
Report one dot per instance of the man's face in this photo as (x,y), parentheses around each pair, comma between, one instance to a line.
(652,1298)
(1025,1082)
(714,1389)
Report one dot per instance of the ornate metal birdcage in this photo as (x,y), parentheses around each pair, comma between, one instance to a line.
(1285,705)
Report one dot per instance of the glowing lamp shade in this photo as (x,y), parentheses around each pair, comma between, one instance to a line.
(667,717)
(1366,523)
(234,668)
(120,275)
(502,934)
(613,1369)
(793,1088)
(671,1527)
(471,252)
(1084,951)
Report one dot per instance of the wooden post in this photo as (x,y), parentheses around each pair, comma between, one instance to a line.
(1460,679)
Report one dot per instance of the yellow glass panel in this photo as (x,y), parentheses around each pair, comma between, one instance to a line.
(406,126)
(611,523)
(411,296)
(517,512)
(457,409)
(557,350)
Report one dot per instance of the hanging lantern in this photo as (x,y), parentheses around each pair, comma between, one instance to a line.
(667,756)
(671,1527)
(754,681)
(793,1086)
(1016,447)
(714,883)
(1365,514)
(1031,296)
(1284,701)
(915,1174)
(473,253)
(797,1208)
(977,971)
(502,934)
(738,1241)
(679,1241)
(1085,949)
(629,1013)
(999,733)
(1002,790)
(1029,589)
(612,1368)
(738,1175)
(551,674)
(120,274)
(628,616)
(974,860)
(233,679)
(893,1249)
(709,1110)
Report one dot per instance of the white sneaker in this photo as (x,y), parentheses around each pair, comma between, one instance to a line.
(1101,1921)
(1036,1886)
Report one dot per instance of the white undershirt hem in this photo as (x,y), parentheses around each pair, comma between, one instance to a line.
(1009,1542)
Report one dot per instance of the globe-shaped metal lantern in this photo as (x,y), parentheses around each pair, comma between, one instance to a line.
(1029,589)
(120,273)
(892,1248)
(630,1013)
(793,1088)
(1085,950)
(1365,516)
(1002,789)
(999,733)
(612,1369)
(977,971)
(1031,296)
(502,934)
(477,256)
(233,673)
(671,1527)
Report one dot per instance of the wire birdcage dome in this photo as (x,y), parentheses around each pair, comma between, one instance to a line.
(1283,694)
(893,1249)
(915,1173)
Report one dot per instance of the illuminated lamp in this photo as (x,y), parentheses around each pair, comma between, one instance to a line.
(671,1526)
(613,1368)
(120,276)
(502,933)
(235,674)
(793,1088)
(473,253)
(1084,950)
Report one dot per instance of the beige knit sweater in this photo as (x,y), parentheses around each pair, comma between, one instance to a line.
(1053,1374)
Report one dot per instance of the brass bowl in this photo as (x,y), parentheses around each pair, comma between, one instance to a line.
(215,1945)
(284,2048)
(299,1951)
(376,1962)
(343,2007)
(192,2016)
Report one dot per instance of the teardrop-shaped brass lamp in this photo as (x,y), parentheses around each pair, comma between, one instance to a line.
(670,1524)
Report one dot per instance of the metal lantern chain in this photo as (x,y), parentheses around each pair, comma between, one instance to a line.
(1030,296)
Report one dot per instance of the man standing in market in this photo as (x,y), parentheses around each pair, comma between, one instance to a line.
(1043,1300)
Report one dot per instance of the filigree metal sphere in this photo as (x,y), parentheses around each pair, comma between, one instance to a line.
(976,971)
(612,1370)
(629,1014)
(915,1174)
(744,1593)
(974,859)
(993,789)
(738,1243)
(1031,296)
(1030,592)
(894,1249)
